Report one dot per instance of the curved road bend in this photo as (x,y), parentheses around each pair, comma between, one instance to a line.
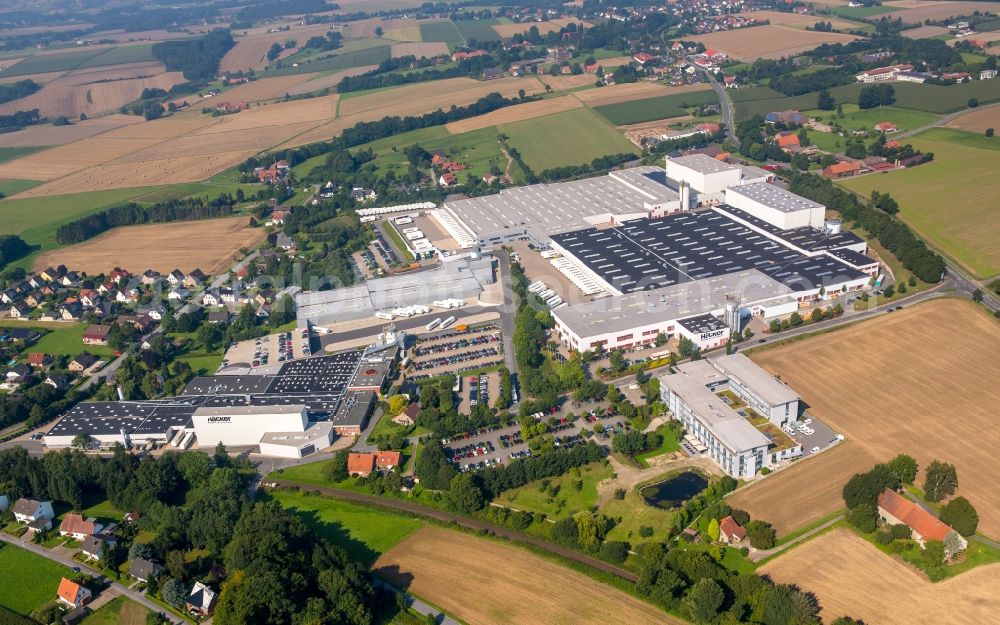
(466,522)
(68,562)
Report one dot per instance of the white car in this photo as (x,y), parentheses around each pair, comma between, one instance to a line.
(814,450)
(807,421)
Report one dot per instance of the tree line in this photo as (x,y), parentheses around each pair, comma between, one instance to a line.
(132,214)
(601,163)
(893,234)
(385,74)
(19,89)
(19,119)
(198,58)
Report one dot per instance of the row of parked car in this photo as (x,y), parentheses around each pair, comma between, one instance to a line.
(509,440)
(483,339)
(470,451)
(482,464)
(479,390)
(490,327)
(456,358)
(383,249)
(466,435)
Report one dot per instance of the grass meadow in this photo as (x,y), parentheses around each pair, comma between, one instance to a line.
(648,109)
(27,580)
(557,140)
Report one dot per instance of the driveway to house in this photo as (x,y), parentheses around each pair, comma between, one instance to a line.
(70,563)
(756,555)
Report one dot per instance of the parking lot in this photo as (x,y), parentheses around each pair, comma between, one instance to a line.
(456,351)
(500,445)
(476,390)
(270,349)
(822,435)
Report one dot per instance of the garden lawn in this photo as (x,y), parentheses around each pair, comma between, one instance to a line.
(364,532)
(559,140)
(660,107)
(105,511)
(310,473)
(27,580)
(568,501)
(669,444)
(120,611)
(67,339)
(949,202)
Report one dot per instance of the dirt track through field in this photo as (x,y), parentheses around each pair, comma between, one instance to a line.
(852,577)
(922,381)
(488,583)
(208,245)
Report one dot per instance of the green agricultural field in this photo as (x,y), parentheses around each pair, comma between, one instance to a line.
(857,119)
(11,186)
(949,202)
(648,109)
(120,611)
(364,532)
(753,93)
(857,12)
(556,140)
(560,496)
(334,62)
(27,580)
(480,30)
(9,154)
(121,55)
(440,31)
(43,63)
(67,339)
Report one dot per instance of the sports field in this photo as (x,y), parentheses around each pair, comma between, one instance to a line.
(851,577)
(950,201)
(556,140)
(484,582)
(921,381)
(364,532)
(26,580)
(208,245)
(649,109)
(770,41)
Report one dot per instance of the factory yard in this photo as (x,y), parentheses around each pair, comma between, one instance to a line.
(208,244)
(502,584)
(890,391)
(850,576)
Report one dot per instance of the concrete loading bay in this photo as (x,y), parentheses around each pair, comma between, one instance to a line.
(455,351)
(502,444)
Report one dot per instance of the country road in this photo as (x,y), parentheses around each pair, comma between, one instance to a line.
(941,121)
(724,101)
(466,522)
(71,563)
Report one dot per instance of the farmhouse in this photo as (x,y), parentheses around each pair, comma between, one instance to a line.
(894,509)
(740,449)
(73,594)
(843,169)
(730,531)
(886,127)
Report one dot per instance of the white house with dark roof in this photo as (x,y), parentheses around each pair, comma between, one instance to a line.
(28,510)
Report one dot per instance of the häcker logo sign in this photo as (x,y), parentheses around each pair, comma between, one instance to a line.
(219,419)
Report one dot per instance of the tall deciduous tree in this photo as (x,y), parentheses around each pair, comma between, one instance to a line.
(940,480)
(961,515)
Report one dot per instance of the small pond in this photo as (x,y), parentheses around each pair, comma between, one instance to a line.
(675,491)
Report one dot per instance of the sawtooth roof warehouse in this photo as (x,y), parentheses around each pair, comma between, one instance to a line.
(749,247)
(287,411)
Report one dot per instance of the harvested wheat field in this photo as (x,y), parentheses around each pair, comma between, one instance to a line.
(924,32)
(568,81)
(208,244)
(806,491)
(328,81)
(282,113)
(426,49)
(936,11)
(361,29)
(87,75)
(41,79)
(484,582)
(91,98)
(61,135)
(891,386)
(633,91)
(976,120)
(509,30)
(747,44)
(409,34)
(851,577)
(797,20)
(520,112)
(266,88)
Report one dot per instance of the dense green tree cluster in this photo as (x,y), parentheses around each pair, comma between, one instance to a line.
(12,247)
(19,89)
(198,57)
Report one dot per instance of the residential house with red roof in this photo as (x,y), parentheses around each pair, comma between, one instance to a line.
(364,463)
(730,531)
(73,594)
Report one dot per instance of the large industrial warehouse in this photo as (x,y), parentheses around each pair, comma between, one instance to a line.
(289,413)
